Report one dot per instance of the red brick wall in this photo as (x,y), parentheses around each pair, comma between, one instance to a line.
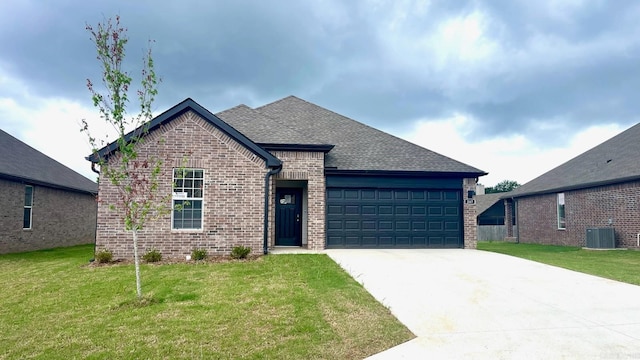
(233,194)
(60,218)
(592,207)
(309,166)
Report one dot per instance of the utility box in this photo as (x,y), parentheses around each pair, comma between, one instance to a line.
(601,238)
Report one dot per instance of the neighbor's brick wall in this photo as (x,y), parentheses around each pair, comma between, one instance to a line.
(469,215)
(583,209)
(233,193)
(60,218)
(508,217)
(303,165)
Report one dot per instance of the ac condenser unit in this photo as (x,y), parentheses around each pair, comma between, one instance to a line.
(601,238)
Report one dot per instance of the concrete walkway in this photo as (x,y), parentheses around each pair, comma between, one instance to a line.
(479,305)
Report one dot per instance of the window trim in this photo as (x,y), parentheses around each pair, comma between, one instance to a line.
(29,207)
(176,197)
(561,211)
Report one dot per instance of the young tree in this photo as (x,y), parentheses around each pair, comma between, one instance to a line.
(134,176)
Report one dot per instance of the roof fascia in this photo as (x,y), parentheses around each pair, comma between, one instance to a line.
(325,148)
(395,173)
(29,181)
(573,187)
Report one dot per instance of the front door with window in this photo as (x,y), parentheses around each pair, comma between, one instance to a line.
(288,217)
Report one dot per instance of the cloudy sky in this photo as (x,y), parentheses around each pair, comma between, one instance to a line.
(513,88)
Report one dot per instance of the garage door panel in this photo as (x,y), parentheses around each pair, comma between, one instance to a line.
(335,225)
(393,218)
(418,210)
(403,241)
(370,241)
(369,210)
(451,226)
(401,195)
(352,210)
(368,195)
(402,210)
(418,195)
(335,210)
(385,210)
(369,225)
(385,195)
(451,211)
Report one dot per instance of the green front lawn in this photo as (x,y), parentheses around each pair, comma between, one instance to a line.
(621,265)
(54,306)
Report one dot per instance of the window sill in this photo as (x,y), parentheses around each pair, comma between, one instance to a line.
(187,230)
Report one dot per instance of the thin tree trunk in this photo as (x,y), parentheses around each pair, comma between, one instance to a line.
(137,262)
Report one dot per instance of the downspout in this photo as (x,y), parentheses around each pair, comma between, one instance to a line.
(515,209)
(266,206)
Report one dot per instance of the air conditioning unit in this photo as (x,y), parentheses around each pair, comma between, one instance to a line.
(601,238)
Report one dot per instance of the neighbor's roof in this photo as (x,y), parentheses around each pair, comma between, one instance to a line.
(614,161)
(21,162)
(485,201)
(358,147)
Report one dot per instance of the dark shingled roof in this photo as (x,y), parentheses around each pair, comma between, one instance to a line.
(357,146)
(614,161)
(21,162)
(485,201)
(262,129)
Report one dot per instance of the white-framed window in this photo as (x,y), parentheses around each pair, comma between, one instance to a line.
(562,224)
(187,198)
(28,207)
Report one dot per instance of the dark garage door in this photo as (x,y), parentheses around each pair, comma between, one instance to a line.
(394,218)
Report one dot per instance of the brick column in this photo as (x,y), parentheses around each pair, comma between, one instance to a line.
(469,214)
(508,215)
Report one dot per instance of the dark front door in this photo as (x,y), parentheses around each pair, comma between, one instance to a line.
(288,217)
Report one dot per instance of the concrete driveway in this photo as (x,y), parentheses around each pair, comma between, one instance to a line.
(479,305)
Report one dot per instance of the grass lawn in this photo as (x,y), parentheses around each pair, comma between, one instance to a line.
(618,265)
(54,306)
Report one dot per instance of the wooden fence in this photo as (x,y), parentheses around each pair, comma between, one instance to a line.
(493,232)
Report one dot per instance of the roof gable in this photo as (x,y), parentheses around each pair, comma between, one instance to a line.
(359,147)
(181,108)
(615,160)
(21,162)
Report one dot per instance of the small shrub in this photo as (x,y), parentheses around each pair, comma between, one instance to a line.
(240,252)
(104,256)
(199,254)
(152,256)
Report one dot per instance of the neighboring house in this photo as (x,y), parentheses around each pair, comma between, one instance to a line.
(491,217)
(43,203)
(490,208)
(597,189)
(292,173)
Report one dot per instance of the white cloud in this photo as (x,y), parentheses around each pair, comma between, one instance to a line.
(513,157)
(52,126)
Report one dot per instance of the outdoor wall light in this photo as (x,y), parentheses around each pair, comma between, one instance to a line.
(470,194)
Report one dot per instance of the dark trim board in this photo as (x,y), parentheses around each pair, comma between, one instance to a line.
(385,182)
